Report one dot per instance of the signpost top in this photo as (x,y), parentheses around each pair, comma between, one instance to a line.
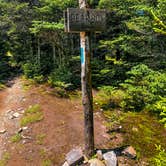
(84,20)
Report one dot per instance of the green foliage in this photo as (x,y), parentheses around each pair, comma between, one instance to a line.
(159,26)
(131,33)
(159,107)
(103,97)
(31,70)
(108,72)
(39,26)
(160,158)
(60,77)
(143,88)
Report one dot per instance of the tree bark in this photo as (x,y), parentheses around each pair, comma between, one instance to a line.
(87,99)
(38,51)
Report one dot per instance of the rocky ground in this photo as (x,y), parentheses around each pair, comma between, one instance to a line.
(45,142)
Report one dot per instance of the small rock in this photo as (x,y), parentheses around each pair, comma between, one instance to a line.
(110,158)
(99,155)
(25,128)
(26,137)
(20,130)
(16,115)
(23,99)
(24,141)
(2,131)
(120,127)
(20,109)
(11,117)
(96,162)
(74,157)
(9,111)
(22,112)
(65,164)
(130,152)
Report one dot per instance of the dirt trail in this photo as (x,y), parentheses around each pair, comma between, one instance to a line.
(61,128)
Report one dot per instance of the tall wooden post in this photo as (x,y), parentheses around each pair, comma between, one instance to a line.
(85,21)
(87,99)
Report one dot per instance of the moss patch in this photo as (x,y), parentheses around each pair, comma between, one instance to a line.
(143,132)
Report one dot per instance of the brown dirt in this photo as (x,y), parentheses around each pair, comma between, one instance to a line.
(62,126)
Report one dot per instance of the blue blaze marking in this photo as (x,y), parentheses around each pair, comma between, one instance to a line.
(82,56)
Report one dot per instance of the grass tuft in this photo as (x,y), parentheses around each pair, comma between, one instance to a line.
(32,114)
(40,138)
(46,162)
(16,138)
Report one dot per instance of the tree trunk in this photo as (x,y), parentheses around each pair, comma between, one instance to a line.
(54,53)
(38,51)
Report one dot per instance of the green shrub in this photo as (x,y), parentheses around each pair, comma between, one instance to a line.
(143,88)
(159,107)
(34,72)
(160,158)
(60,77)
(39,79)
(110,97)
(103,97)
(30,70)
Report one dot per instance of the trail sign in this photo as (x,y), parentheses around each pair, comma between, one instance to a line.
(84,20)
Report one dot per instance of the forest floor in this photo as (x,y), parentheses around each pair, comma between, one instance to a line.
(57,128)
(48,140)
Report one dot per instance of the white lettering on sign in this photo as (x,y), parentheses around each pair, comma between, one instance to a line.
(79,20)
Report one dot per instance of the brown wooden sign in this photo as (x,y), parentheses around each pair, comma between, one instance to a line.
(84,20)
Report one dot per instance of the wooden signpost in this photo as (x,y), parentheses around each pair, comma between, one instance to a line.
(85,21)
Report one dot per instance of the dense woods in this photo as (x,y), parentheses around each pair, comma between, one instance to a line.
(128,59)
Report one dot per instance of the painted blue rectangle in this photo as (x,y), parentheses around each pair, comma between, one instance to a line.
(82,56)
